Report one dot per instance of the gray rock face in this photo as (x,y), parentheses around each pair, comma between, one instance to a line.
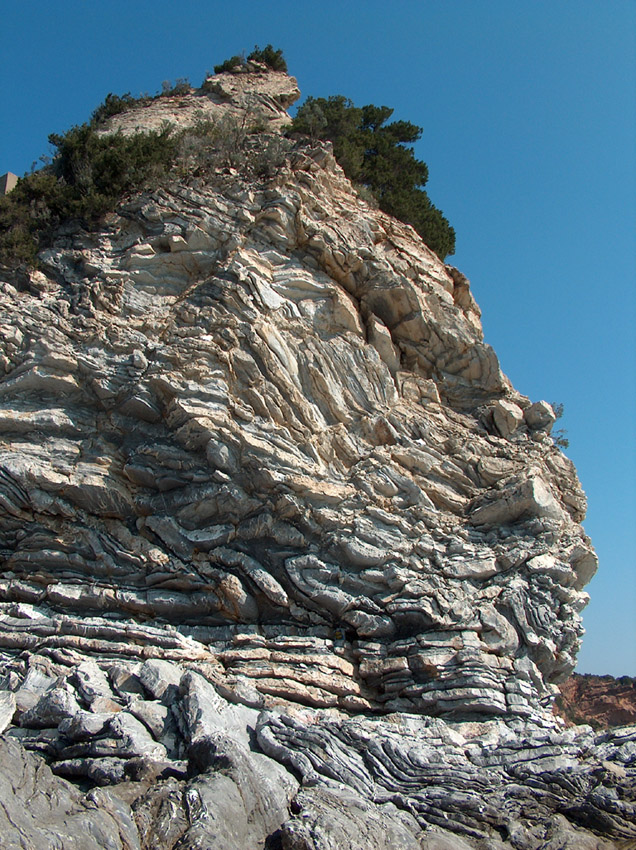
(332,819)
(267,506)
(480,781)
(40,810)
(366,782)
(7,709)
(239,804)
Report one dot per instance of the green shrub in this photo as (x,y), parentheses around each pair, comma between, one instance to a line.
(378,156)
(87,177)
(113,105)
(229,64)
(560,436)
(208,148)
(90,173)
(108,166)
(17,244)
(267,154)
(38,202)
(180,86)
(274,59)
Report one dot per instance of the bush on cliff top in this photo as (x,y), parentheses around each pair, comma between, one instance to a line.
(269,56)
(229,64)
(274,59)
(114,104)
(90,173)
(378,156)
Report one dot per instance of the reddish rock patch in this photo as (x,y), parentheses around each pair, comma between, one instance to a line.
(600,701)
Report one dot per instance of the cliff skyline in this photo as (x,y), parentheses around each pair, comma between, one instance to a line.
(289,562)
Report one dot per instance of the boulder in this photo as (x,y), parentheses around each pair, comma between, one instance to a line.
(507,417)
(41,810)
(540,416)
(531,497)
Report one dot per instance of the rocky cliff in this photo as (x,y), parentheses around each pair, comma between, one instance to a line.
(271,514)
(601,701)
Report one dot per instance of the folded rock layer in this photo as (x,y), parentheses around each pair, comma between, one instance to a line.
(254,448)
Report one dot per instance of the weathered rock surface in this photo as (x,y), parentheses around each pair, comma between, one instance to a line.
(601,701)
(271,513)
(253,94)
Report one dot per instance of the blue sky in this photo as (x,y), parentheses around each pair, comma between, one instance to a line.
(529,120)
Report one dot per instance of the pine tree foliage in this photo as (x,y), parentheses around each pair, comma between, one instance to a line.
(379,156)
(269,56)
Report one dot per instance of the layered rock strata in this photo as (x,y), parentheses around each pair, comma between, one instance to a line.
(268,502)
(174,765)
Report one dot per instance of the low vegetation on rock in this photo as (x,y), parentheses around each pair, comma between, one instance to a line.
(87,177)
(90,173)
(269,56)
(560,436)
(113,104)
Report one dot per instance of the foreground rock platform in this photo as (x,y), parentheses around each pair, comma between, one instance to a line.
(190,770)
(287,561)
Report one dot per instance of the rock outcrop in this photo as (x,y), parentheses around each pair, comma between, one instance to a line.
(272,514)
(253,95)
(601,701)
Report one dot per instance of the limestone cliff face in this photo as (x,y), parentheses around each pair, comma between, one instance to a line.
(251,431)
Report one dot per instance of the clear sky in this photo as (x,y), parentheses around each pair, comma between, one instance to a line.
(529,118)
